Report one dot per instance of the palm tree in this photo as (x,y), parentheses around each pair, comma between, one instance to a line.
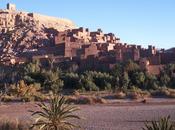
(55,116)
(162,124)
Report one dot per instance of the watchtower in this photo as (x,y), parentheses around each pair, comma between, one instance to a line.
(11,7)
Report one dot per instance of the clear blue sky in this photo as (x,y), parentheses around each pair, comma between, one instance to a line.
(134,21)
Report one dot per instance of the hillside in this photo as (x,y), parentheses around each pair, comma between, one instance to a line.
(22,31)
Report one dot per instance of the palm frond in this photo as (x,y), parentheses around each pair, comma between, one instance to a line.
(56,115)
(162,124)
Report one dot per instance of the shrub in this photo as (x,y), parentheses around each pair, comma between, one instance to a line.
(56,116)
(40,98)
(120,95)
(133,95)
(52,80)
(131,67)
(22,90)
(7,98)
(125,81)
(98,100)
(27,99)
(138,79)
(171,93)
(164,78)
(6,124)
(88,84)
(162,124)
(71,81)
(151,82)
(86,100)
(108,86)
(161,92)
(136,93)
(101,80)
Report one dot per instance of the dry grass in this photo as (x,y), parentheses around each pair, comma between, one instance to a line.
(163,92)
(138,94)
(171,93)
(133,95)
(86,100)
(7,98)
(25,98)
(76,93)
(7,124)
(120,95)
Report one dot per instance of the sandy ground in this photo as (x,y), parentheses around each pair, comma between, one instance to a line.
(124,115)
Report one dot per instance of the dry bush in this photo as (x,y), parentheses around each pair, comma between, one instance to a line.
(137,93)
(71,99)
(171,93)
(99,100)
(120,95)
(162,92)
(41,98)
(7,98)
(133,95)
(86,100)
(6,124)
(22,89)
(27,99)
(76,93)
(80,100)
(26,92)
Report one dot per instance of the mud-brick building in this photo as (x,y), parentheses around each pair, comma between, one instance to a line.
(125,52)
(167,56)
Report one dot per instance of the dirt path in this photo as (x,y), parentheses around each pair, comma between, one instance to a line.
(104,117)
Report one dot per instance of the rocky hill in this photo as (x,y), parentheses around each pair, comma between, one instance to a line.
(22,31)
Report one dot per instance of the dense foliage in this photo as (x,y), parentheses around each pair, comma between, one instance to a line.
(123,76)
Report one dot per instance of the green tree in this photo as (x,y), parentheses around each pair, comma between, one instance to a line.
(164,79)
(117,71)
(151,82)
(169,70)
(139,79)
(131,67)
(125,81)
(53,80)
(32,67)
(101,80)
(87,83)
(71,80)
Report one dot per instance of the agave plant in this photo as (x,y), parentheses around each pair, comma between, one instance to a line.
(162,124)
(55,116)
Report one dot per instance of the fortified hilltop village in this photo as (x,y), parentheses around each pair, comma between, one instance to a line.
(25,37)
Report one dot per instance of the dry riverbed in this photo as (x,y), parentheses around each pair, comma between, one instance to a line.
(117,115)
